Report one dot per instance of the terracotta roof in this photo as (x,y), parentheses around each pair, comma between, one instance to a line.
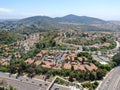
(84,58)
(5,63)
(73,54)
(67,66)
(91,67)
(39,55)
(68,58)
(73,58)
(29,60)
(95,46)
(73,63)
(65,54)
(57,65)
(46,66)
(44,51)
(76,67)
(88,68)
(82,68)
(37,63)
(80,58)
(106,44)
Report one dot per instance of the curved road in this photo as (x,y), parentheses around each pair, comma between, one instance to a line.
(111,81)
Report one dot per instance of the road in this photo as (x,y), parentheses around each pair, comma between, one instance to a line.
(112,80)
(117,45)
(116,49)
(25,83)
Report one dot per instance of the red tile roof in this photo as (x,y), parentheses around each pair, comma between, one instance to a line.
(29,60)
(73,63)
(82,68)
(37,63)
(5,63)
(67,66)
(91,67)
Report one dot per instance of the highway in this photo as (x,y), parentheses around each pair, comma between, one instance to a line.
(111,81)
(25,83)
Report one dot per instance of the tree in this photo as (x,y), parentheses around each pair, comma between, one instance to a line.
(80,76)
(92,76)
(86,54)
(71,76)
(12,66)
(53,44)
(72,68)
(101,73)
(116,58)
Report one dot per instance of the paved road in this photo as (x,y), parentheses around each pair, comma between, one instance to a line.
(25,83)
(116,49)
(112,81)
(117,45)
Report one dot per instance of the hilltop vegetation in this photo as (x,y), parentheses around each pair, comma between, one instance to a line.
(7,37)
(89,22)
(30,25)
(78,19)
(44,23)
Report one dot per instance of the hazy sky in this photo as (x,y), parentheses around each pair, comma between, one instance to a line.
(104,9)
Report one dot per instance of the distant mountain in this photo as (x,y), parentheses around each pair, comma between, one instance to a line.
(82,23)
(97,24)
(115,22)
(78,19)
(31,24)
(45,23)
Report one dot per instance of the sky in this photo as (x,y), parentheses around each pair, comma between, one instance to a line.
(17,9)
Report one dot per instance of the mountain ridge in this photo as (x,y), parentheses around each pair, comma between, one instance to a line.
(45,23)
(78,19)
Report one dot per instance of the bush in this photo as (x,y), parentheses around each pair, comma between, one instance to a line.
(116,58)
(4,69)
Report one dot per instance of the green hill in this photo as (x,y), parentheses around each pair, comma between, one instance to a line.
(31,24)
(40,21)
(44,23)
(78,19)
(7,37)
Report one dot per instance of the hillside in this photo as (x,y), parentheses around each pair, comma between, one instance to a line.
(30,25)
(45,23)
(36,24)
(78,19)
(96,23)
(7,37)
